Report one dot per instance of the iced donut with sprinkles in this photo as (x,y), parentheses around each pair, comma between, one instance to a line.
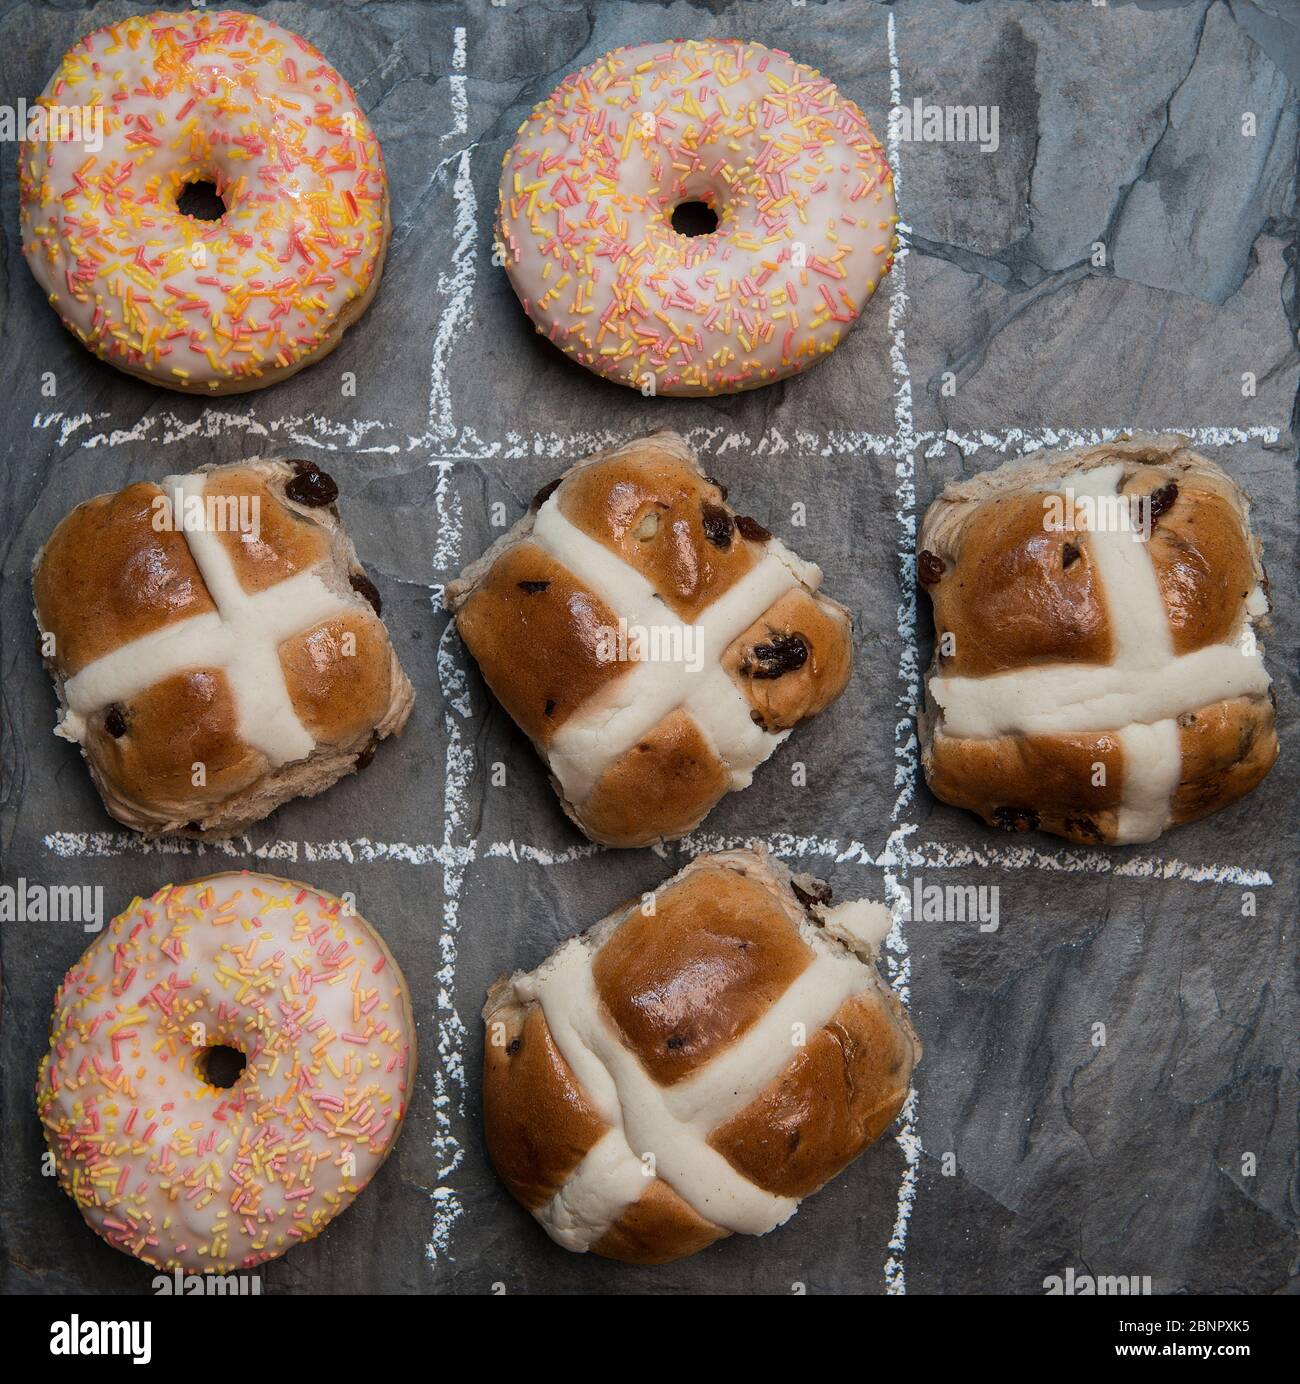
(696,217)
(173,1152)
(288,251)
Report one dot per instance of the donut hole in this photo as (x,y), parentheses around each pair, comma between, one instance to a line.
(694,218)
(200,201)
(221,1065)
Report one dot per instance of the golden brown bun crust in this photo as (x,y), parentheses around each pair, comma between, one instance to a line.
(286,542)
(838,1095)
(687,982)
(106,576)
(652,510)
(1203,566)
(1050,777)
(1008,597)
(1227,749)
(537,1123)
(171,726)
(339,676)
(656,1229)
(536,634)
(658,789)
(822,664)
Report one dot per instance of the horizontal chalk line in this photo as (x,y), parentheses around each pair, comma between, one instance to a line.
(360,850)
(89,845)
(373,435)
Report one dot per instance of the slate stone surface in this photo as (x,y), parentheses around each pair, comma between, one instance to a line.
(1029,1150)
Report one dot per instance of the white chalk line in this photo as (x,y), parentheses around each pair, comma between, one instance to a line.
(165,428)
(449,517)
(456,851)
(719,442)
(454,855)
(820,850)
(444,442)
(457,286)
(522,853)
(896,954)
(98,845)
(933,855)
(1026,440)
(897,854)
(459,85)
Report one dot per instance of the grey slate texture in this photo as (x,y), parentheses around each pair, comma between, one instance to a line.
(1119,124)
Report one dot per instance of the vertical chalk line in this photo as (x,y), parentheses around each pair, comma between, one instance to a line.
(457,287)
(897,957)
(459,86)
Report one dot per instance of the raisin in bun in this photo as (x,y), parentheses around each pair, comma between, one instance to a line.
(1096,671)
(669,1078)
(639,539)
(216,646)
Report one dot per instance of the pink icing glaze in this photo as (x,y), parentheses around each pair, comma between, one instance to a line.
(184,1174)
(800,185)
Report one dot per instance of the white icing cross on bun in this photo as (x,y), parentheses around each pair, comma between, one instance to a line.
(243,639)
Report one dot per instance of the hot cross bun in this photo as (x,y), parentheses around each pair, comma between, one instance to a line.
(642,739)
(1096,672)
(678,1074)
(216,646)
